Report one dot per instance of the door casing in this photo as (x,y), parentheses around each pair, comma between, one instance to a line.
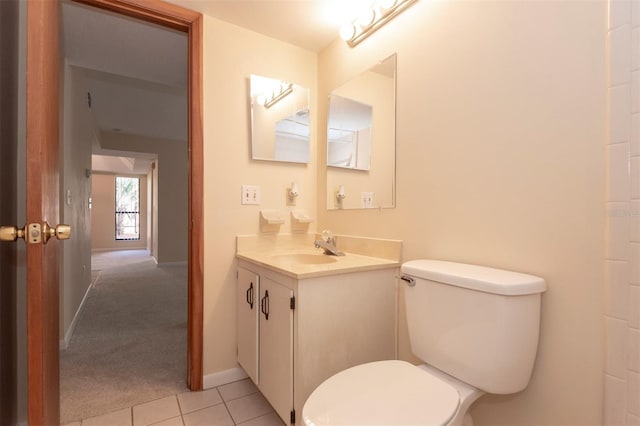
(42,191)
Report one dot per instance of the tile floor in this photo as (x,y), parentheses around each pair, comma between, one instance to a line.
(237,403)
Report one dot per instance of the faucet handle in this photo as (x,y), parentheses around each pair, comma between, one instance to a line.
(327,236)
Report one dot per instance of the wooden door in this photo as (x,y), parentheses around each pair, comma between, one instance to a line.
(42,205)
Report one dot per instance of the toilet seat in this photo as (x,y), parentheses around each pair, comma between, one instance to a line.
(381,393)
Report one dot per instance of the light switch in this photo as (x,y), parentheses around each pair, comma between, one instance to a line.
(250,194)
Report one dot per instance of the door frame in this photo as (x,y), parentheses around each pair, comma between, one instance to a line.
(190,22)
(43,52)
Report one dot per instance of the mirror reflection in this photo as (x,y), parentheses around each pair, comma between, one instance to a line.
(361,140)
(348,133)
(279,120)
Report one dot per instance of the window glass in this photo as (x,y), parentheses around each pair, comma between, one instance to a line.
(127,208)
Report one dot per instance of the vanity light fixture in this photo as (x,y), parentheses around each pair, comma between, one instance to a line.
(279,93)
(372,18)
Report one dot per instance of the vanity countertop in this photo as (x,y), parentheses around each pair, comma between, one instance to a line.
(285,262)
(295,256)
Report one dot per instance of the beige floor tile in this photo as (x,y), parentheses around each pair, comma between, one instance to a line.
(237,390)
(116,418)
(156,411)
(193,401)
(74,424)
(248,407)
(269,420)
(176,421)
(212,416)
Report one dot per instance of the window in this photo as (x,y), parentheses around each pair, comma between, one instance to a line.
(127,208)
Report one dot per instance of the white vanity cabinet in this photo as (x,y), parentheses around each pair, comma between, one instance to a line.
(265,337)
(294,333)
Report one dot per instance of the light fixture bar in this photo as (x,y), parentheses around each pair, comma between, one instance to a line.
(354,33)
(285,90)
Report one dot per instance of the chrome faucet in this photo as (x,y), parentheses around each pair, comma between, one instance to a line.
(328,243)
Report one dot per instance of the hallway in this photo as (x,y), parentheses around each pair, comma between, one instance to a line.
(129,345)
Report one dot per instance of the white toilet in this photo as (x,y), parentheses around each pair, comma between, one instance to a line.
(475,327)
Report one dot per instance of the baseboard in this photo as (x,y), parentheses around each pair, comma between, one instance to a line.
(64,343)
(223,377)
(178,263)
(101,250)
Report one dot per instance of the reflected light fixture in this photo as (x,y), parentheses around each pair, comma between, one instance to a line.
(275,96)
(371,19)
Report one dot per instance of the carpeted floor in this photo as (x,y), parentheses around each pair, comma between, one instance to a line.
(129,345)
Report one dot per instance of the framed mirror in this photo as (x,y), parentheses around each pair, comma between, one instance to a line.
(279,120)
(361,140)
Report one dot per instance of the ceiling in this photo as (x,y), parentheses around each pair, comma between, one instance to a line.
(136,71)
(310,24)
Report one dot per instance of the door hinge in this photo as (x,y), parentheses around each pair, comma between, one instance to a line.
(292,304)
(293,417)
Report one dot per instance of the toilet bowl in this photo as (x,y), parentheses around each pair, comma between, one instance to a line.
(476,329)
(390,393)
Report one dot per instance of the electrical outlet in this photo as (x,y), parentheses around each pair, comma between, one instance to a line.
(250,194)
(367,199)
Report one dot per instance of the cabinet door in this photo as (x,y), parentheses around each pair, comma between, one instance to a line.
(276,346)
(247,308)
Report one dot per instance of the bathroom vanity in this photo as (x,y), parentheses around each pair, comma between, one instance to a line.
(303,316)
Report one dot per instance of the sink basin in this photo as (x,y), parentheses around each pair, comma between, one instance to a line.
(303,258)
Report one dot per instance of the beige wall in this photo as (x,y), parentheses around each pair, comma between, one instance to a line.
(500,134)
(103,226)
(231,55)
(171,192)
(78,133)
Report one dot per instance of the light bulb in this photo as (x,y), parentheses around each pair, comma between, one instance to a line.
(387,4)
(367,17)
(347,32)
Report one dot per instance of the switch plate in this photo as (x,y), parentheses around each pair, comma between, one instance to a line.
(367,200)
(250,194)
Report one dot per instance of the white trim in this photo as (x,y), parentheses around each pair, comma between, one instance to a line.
(99,250)
(223,377)
(64,343)
(178,263)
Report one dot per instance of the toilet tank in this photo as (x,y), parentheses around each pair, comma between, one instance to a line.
(477,324)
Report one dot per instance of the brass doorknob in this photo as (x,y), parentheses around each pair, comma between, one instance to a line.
(35,233)
(11,233)
(61,232)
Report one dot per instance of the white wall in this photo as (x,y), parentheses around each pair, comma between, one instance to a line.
(622,258)
(500,132)
(78,133)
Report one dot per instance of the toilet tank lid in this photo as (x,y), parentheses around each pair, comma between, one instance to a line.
(481,278)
